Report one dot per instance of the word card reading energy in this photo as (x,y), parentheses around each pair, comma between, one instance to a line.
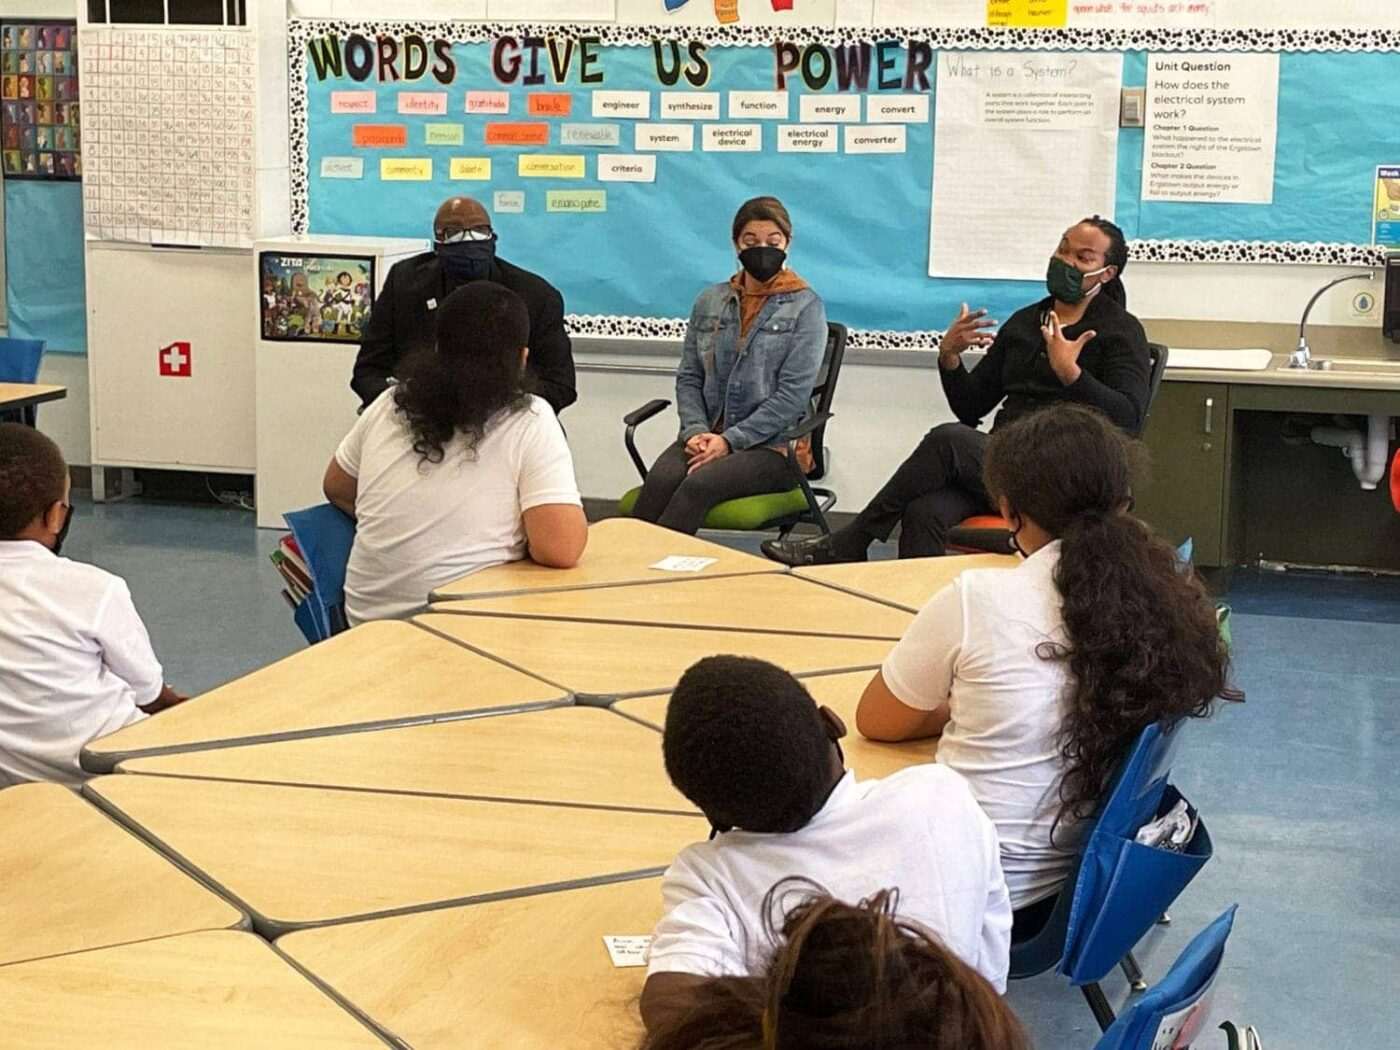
(168,135)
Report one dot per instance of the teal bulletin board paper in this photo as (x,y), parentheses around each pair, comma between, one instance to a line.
(44,270)
(861,220)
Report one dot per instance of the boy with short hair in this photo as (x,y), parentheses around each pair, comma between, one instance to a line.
(746,743)
(75,660)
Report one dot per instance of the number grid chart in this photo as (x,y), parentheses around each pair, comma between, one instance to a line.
(169,134)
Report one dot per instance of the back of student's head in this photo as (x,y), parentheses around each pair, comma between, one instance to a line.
(1143,643)
(32,477)
(847,977)
(474,371)
(747,744)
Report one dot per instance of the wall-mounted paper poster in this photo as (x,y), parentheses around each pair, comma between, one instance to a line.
(1385,221)
(39,100)
(315,298)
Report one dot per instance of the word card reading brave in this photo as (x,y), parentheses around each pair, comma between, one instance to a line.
(168,127)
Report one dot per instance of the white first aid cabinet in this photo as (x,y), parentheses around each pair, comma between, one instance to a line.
(170,357)
(304,401)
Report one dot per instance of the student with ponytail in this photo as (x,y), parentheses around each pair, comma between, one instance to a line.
(1041,678)
(1078,344)
(844,977)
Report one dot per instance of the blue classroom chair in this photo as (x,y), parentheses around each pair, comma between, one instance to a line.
(1180,998)
(19,363)
(325,535)
(1118,889)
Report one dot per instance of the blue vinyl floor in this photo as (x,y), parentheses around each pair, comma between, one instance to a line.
(1300,786)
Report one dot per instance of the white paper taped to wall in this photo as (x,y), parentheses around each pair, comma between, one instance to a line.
(1040,131)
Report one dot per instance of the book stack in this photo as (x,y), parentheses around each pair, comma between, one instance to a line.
(291,565)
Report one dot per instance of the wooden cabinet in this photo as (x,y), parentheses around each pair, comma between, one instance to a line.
(1188,436)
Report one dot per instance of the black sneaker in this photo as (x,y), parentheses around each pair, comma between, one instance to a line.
(813,550)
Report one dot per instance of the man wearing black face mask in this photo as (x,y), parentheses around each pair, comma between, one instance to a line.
(404,318)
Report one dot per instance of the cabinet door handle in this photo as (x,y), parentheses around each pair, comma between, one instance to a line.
(1210,415)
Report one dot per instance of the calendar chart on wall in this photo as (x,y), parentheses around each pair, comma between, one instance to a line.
(170,119)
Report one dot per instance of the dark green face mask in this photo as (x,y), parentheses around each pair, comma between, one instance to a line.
(1066,281)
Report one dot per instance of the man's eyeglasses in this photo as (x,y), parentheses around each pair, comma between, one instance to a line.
(456,235)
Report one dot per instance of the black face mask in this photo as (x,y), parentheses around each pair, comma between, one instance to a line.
(762,262)
(63,532)
(467,260)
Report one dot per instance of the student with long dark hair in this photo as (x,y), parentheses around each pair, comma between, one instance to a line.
(1079,344)
(845,977)
(1040,678)
(457,467)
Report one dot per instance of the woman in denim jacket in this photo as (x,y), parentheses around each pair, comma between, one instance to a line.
(753,348)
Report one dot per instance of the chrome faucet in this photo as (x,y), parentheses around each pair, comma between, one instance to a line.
(1302,355)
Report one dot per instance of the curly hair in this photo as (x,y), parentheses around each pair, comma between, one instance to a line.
(1116,256)
(32,475)
(473,373)
(843,977)
(1144,645)
(745,742)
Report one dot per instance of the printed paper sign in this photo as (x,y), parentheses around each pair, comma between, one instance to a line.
(576,200)
(406,169)
(508,202)
(423,102)
(517,134)
(1385,228)
(550,104)
(807,138)
(478,168)
(342,167)
(627,951)
(379,136)
(680,563)
(822,109)
(635,105)
(539,166)
(690,105)
(1028,13)
(176,360)
(758,105)
(889,138)
(670,137)
(732,138)
(897,109)
(443,134)
(353,102)
(491,102)
(625,167)
(590,135)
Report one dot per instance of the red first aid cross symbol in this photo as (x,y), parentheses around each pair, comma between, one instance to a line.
(175,360)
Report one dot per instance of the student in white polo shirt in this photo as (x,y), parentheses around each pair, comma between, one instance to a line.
(1040,679)
(75,660)
(747,744)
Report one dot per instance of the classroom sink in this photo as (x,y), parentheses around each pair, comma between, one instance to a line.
(1355,365)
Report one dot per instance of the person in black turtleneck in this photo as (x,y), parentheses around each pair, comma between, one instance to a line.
(1077,344)
(464,249)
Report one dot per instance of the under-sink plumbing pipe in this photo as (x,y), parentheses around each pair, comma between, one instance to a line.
(1368,452)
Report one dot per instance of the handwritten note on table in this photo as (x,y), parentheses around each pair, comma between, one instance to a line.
(628,951)
(678,563)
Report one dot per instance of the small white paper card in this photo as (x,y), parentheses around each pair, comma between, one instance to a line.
(679,563)
(628,951)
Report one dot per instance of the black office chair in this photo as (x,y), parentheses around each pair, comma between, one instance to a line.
(990,533)
(784,511)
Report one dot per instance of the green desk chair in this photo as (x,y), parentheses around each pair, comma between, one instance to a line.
(784,511)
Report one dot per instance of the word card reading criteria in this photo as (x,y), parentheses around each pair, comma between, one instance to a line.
(763,105)
(626,167)
(633,105)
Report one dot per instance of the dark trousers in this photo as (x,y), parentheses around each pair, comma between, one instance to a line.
(676,500)
(933,490)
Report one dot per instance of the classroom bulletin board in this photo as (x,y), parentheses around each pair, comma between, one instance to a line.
(613,158)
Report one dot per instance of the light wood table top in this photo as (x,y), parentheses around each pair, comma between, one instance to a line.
(215,991)
(382,673)
(22,395)
(620,550)
(511,975)
(604,659)
(841,693)
(75,880)
(299,856)
(773,602)
(906,582)
(582,755)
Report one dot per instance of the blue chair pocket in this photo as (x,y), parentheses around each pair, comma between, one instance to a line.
(1128,887)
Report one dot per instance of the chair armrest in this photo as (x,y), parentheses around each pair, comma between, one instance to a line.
(805,426)
(640,415)
(993,541)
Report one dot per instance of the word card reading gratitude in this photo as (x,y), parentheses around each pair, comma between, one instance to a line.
(492,102)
